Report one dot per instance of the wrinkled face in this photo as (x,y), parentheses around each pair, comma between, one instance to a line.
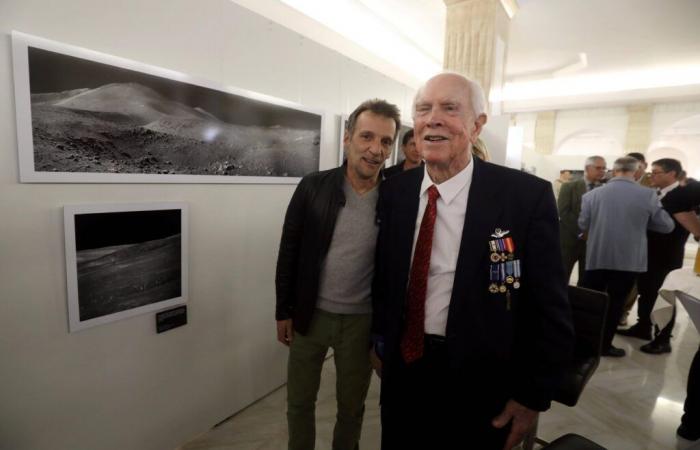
(660,178)
(444,123)
(411,151)
(596,171)
(370,144)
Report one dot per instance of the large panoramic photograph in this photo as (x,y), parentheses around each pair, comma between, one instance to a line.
(124,260)
(97,118)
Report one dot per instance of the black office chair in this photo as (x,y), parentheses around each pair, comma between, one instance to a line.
(589,309)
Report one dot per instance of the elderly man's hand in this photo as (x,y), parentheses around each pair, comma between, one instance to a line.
(523,421)
(375,362)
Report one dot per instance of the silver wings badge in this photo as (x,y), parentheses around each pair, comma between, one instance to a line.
(498,233)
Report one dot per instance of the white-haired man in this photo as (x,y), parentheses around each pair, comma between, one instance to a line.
(573,247)
(471,320)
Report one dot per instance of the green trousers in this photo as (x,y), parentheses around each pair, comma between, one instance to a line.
(349,337)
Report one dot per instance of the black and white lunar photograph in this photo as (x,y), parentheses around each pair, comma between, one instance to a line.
(126,260)
(91,117)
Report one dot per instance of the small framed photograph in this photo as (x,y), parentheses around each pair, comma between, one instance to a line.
(124,260)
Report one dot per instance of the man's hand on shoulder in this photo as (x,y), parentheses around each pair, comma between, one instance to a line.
(523,420)
(285,332)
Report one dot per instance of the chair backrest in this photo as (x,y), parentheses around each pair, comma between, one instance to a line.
(589,309)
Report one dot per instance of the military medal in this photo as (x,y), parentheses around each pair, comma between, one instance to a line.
(509,272)
(505,269)
(495,257)
(493,277)
(516,274)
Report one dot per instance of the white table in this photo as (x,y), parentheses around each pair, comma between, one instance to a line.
(681,284)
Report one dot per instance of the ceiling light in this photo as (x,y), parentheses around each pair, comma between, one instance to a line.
(599,83)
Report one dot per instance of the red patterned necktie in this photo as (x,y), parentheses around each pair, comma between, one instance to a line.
(412,340)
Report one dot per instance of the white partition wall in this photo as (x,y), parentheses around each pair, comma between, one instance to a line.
(121,385)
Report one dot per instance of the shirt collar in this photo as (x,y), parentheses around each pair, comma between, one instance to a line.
(668,188)
(451,188)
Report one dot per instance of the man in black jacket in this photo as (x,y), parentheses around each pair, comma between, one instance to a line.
(412,157)
(470,309)
(324,275)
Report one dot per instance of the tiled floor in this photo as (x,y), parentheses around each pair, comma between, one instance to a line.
(631,403)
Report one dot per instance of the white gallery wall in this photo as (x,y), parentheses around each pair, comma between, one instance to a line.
(121,385)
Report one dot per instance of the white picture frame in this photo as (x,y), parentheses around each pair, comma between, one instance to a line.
(162,127)
(124,259)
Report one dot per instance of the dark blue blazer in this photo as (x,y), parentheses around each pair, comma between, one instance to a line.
(524,342)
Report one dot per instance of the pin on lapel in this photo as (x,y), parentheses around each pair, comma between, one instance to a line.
(498,233)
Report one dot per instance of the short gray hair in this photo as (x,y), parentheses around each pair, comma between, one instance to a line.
(476,93)
(590,161)
(626,164)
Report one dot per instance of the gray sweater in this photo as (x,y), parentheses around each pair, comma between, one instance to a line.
(346,274)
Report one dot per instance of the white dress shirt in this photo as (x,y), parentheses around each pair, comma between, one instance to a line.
(447,237)
(662,192)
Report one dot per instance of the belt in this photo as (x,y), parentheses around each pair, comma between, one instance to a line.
(434,341)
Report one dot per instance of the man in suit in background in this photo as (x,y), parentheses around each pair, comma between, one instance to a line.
(615,218)
(643,178)
(471,317)
(411,155)
(573,247)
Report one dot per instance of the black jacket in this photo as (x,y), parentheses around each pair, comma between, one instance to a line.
(514,345)
(306,237)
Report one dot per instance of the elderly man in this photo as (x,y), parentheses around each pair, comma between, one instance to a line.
(411,155)
(573,248)
(324,276)
(615,218)
(471,318)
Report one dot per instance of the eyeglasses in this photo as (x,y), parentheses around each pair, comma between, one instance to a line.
(600,167)
(657,172)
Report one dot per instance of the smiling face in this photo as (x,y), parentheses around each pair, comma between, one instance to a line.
(445,124)
(369,145)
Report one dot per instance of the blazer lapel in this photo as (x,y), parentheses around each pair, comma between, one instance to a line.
(483,210)
(409,198)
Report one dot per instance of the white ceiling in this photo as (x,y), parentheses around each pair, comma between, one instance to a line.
(616,35)
(633,50)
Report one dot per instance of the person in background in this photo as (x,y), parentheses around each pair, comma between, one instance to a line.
(573,247)
(644,179)
(564,177)
(480,150)
(324,273)
(641,175)
(687,200)
(411,154)
(615,219)
(665,254)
